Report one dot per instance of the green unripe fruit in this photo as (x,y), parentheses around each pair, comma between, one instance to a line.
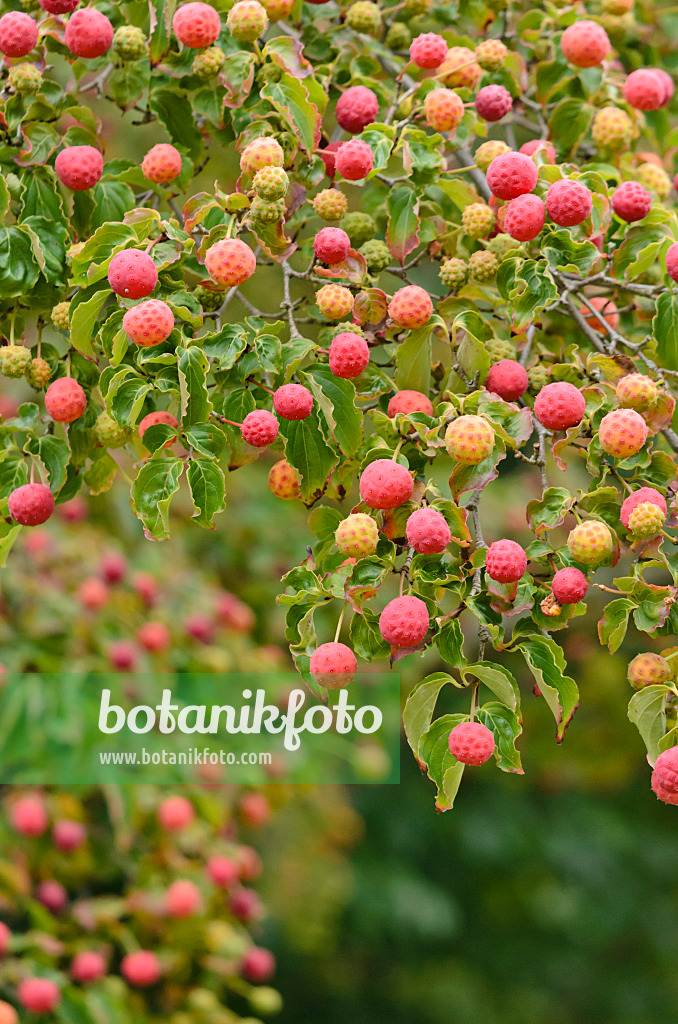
(14,360)
(646,520)
(453,273)
(265,1000)
(489,151)
(417,6)
(271,183)
(247,20)
(364,16)
(359,227)
(483,266)
(477,220)
(330,204)
(357,536)
(264,212)
(61,316)
(499,348)
(25,79)
(501,245)
(109,433)
(209,299)
(38,373)
(398,36)
(655,179)
(590,543)
(490,54)
(377,255)
(208,63)
(129,42)
(538,378)
(269,73)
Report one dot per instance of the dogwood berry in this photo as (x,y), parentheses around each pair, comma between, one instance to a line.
(636,391)
(505,561)
(330,204)
(79,167)
(631,201)
(585,44)
(88,33)
(493,102)
(176,813)
(258,964)
(646,520)
(331,245)
(459,69)
(182,899)
(639,497)
(65,400)
(333,665)
(349,355)
(334,301)
(129,42)
(471,743)
(477,220)
(154,637)
(590,543)
(52,895)
(18,34)
(357,536)
(222,871)
(354,160)
(469,440)
(38,995)
(196,25)
(364,16)
(428,50)
(427,531)
(612,129)
(622,433)
(141,968)
(152,419)
(88,966)
(655,179)
(665,776)
(569,585)
(644,90)
(410,307)
(489,151)
(68,835)
(511,175)
(132,274)
(648,670)
(356,108)
(28,816)
(259,428)
(568,202)
(524,217)
(443,109)
(149,323)
(508,379)
(453,273)
(283,481)
(247,20)
(162,163)
(385,484)
(230,262)
(539,146)
(560,405)
(260,153)
(408,401)
(672,261)
(491,54)
(293,402)
(404,621)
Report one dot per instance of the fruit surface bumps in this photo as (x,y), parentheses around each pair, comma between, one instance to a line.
(665,776)
(639,497)
(230,262)
(648,670)
(385,484)
(590,543)
(569,585)
(404,621)
(622,433)
(31,504)
(259,428)
(333,665)
(427,531)
(283,480)
(560,405)
(471,743)
(505,561)
(469,439)
(357,536)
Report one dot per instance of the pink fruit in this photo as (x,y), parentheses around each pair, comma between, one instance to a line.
(667,82)
(175,813)
(59,6)
(293,402)
(18,34)
(356,108)
(569,585)
(608,310)
(404,621)
(5,938)
(182,899)
(113,566)
(65,400)
(568,202)
(68,835)
(542,146)
(132,274)
(354,160)
(39,995)
(507,378)
(444,109)
(640,497)
(331,245)
(79,167)
(200,628)
(644,90)
(123,655)
(141,968)
(52,895)
(159,416)
(559,405)
(385,484)
(329,153)
(222,871)
(665,776)
(409,401)
(154,637)
(150,323)
(585,44)
(88,33)
(410,307)
(28,816)
(511,175)
(31,504)
(493,102)
(349,355)
(93,594)
(162,163)
(233,613)
(631,201)
(505,561)
(622,433)
(524,217)
(257,965)
(88,966)
(144,585)
(471,743)
(428,50)
(672,261)
(333,665)
(230,262)
(428,532)
(259,428)
(196,25)
(244,904)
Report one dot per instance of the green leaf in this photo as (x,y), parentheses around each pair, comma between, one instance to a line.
(20,269)
(549,511)
(128,400)
(237,75)
(528,286)
(569,122)
(420,705)
(175,112)
(55,454)
(547,662)
(365,637)
(225,346)
(195,400)
(13,471)
(442,766)
(646,711)
(496,678)
(112,201)
(506,727)
(8,534)
(614,623)
(290,98)
(665,329)
(402,236)
(450,643)
(307,450)
(336,398)
(152,492)
(208,488)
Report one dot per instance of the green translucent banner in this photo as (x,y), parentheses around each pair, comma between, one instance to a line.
(83,728)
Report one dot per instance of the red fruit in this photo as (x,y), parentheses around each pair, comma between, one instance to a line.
(244,904)
(568,202)
(200,628)
(493,102)
(639,497)
(222,871)
(524,217)
(585,44)
(154,637)
(175,813)
(5,938)
(88,33)
(233,613)
(182,899)
(354,160)
(123,655)
(146,587)
(569,585)
(607,308)
(539,146)
(672,260)
(196,25)
(507,378)
(511,175)
(410,307)
(631,201)
(259,428)
(39,995)
(644,90)
(667,82)
(333,665)
(74,511)
(59,6)
(559,405)
(428,532)
(159,416)
(79,167)
(52,895)
(18,34)
(28,816)
(88,966)
(471,743)
(356,108)
(257,965)
(622,432)
(349,355)
(149,323)
(665,776)
(409,401)
(428,50)
(141,968)
(132,274)
(385,484)
(31,504)
(331,245)
(404,621)
(113,566)
(505,561)
(255,810)
(65,400)
(230,262)
(293,402)
(68,835)
(162,163)
(328,154)
(93,594)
